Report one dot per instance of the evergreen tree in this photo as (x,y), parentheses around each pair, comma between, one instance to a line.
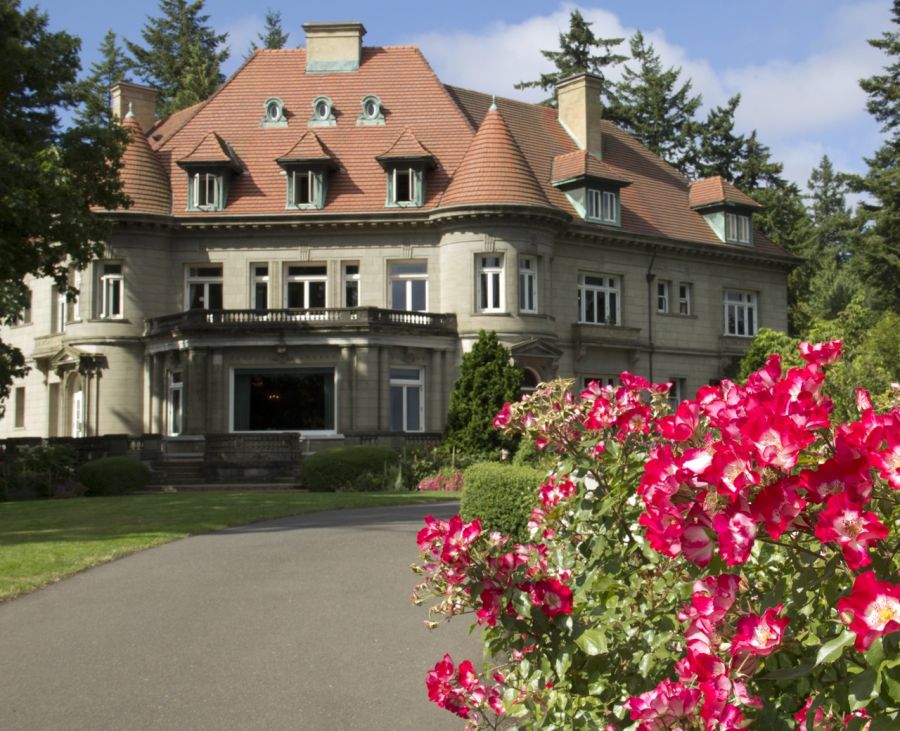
(52,177)
(110,69)
(755,169)
(273,35)
(486,381)
(717,148)
(651,104)
(877,254)
(577,54)
(181,55)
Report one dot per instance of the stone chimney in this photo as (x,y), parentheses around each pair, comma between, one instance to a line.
(333,47)
(580,111)
(140,99)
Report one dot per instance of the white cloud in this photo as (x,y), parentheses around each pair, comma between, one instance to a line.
(794,104)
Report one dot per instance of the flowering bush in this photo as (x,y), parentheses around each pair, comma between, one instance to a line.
(733,563)
(449,481)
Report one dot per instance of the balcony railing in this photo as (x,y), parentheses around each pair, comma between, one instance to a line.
(326,318)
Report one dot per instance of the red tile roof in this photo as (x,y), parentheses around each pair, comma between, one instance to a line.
(582,164)
(711,191)
(308,149)
(406,147)
(655,204)
(494,170)
(516,156)
(142,176)
(411,97)
(210,150)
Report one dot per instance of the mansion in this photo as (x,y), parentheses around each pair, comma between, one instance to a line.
(314,247)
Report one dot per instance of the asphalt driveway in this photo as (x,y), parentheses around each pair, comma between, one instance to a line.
(295,623)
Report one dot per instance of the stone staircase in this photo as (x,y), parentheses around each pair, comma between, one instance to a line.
(178,472)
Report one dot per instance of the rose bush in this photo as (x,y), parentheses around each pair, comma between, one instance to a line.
(733,563)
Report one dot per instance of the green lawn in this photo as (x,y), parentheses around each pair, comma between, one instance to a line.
(44,541)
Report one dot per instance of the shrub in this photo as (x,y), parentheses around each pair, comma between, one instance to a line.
(501,496)
(113,475)
(447,480)
(41,471)
(351,468)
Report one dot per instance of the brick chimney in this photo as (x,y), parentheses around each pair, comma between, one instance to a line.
(333,47)
(140,99)
(580,112)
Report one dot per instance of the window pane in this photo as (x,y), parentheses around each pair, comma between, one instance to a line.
(413,396)
(405,374)
(351,294)
(317,294)
(418,295)
(195,292)
(398,294)
(215,296)
(590,307)
(403,188)
(295,295)
(613,309)
(261,296)
(409,268)
(396,408)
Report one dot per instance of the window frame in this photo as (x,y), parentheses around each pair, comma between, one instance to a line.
(307,281)
(416,186)
(738,228)
(528,284)
(315,185)
(350,280)
(19,407)
(612,287)
(746,305)
(685,299)
(214,177)
(405,385)
(491,289)
(175,412)
(409,278)
(206,281)
(107,283)
(260,279)
(602,206)
(663,296)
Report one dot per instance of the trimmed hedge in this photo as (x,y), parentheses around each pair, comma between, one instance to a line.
(113,475)
(502,496)
(351,468)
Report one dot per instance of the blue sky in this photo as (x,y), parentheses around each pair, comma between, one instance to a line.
(796,62)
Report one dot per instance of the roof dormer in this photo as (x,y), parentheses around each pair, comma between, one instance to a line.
(210,166)
(726,210)
(591,186)
(306,166)
(405,163)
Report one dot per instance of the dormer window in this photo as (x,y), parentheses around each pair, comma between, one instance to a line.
(209,167)
(306,188)
(405,186)
(206,191)
(603,206)
(371,113)
(737,228)
(274,113)
(323,113)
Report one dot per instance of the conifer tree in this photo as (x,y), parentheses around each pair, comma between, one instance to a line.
(52,177)
(273,35)
(718,147)
(578,53)
(877,254)
(181,55)
(487,380)
(754,168)
(651,104)
(112,68)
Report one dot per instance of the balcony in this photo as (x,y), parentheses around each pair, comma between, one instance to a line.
(326,319)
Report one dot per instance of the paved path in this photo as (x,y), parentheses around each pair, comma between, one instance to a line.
(296,623)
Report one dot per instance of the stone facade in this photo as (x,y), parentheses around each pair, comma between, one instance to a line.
(193,319)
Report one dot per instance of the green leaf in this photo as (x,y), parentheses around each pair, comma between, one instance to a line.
(592,641)
(864,688)
(832,650)
(885,722)
(792,673)
(875,654)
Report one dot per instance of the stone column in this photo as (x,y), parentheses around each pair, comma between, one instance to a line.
(195,391)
